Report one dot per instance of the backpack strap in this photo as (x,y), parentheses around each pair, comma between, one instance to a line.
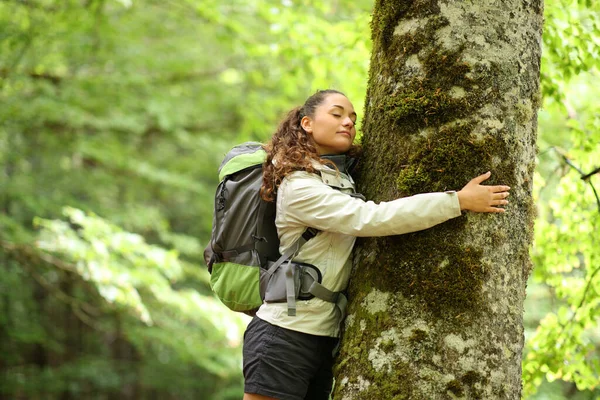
(316,289)
(308,234)
(321,292)
(290,290)
(237,251)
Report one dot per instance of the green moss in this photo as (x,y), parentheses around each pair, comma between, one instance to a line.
(524,113)
(353,360)
(469,380)
(449,158)
(428,102)
(357,340)
(455,387)
(448,69)
(388,346)
(386,15)
(449,292)
(418,336)
(429,267)
(446,160)
(531,216)
(411,43)
(536,99)
(396,385)
(421,107)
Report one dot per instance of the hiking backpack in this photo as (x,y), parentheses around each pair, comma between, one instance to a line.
(243,253)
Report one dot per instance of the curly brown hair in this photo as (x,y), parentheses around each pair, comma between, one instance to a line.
(291,148)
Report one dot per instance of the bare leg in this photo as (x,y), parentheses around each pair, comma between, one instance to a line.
(248,396)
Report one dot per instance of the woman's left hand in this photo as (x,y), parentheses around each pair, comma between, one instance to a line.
(479,198)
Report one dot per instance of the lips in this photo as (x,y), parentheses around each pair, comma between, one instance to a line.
(345,133)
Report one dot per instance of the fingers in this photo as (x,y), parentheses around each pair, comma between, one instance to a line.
(499,188)
(495,210)
(501,195)
(481,178)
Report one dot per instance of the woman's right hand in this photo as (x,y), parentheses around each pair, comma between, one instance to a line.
(479,198)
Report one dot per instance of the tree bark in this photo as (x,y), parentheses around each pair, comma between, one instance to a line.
(453,92)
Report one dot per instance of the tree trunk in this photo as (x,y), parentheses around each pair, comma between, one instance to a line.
(453,92)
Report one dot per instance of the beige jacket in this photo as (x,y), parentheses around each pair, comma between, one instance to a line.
(309,200)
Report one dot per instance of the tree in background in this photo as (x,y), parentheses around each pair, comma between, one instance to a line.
(453,92)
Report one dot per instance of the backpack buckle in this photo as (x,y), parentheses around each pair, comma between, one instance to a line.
(310,233)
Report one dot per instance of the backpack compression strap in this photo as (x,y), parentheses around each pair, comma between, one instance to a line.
(289,271)
(316,289)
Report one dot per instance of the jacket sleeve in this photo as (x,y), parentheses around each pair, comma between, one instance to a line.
(306,200)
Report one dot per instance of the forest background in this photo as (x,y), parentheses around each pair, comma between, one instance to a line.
(114,116)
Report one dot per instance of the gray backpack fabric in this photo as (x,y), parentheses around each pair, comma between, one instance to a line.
(243,253)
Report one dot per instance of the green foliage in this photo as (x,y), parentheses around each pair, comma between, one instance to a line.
(571,43)
(171,328)
(566,254)
(124,109)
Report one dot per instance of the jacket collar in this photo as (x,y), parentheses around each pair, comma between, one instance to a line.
(343,162)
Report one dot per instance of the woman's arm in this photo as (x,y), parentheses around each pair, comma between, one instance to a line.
(305,200)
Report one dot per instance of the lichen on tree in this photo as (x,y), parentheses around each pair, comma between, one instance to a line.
(453,92)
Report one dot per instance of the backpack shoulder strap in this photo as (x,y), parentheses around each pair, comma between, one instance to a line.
(308,234)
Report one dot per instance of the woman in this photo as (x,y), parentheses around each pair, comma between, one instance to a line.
(290,357)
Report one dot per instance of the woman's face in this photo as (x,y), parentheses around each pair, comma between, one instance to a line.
(332,127)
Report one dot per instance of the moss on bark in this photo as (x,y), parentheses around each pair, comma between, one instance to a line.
(453,93)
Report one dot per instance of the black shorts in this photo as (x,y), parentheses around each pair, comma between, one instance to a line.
(285,364)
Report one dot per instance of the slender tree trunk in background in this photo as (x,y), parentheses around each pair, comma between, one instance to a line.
(70,350)
(453,92)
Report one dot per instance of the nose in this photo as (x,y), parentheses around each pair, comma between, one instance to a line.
(348,122)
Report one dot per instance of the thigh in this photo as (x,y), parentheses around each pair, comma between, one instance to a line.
(279,362)
(320,385)
(248,396)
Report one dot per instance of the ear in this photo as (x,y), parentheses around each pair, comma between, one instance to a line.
(306,124)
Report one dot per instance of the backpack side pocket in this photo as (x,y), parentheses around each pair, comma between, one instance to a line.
(237,284)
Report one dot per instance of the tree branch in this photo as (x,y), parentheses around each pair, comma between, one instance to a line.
(15,62)
(154,79)
(585,177)
(32,5)
(25,254)
(579,306)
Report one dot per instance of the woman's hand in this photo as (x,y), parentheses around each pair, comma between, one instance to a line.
(478,198)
